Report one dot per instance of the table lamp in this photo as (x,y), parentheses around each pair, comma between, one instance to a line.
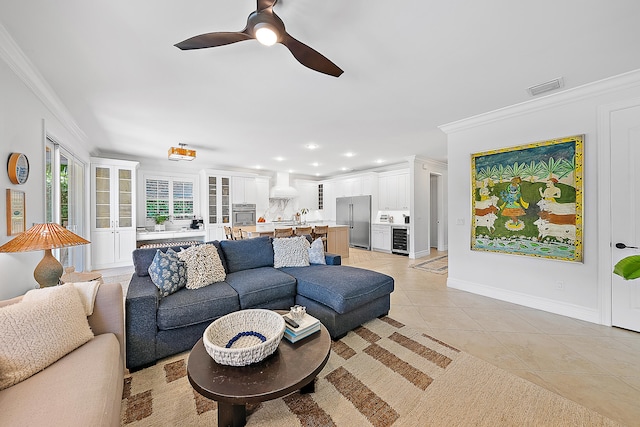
(45,237)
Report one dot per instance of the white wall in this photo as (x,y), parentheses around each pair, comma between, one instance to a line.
(24,119)
(527,280)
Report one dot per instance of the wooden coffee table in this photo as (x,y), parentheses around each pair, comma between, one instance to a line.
(292,367)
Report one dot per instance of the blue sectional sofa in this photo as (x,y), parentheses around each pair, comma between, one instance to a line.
(342,297)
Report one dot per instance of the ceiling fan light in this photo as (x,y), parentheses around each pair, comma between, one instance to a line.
(266,34)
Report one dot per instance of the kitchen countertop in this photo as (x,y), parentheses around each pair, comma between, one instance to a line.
(392,224)
(271,226)
(169,234)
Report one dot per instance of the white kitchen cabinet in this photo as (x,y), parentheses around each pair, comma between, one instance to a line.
(113,205)
(217,199)
(329,201)
(262,196)
(243,189)
(215,232)
(307,194)
(393,191)
(381,238)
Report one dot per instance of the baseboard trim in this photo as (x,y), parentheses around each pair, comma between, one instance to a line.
(544,304)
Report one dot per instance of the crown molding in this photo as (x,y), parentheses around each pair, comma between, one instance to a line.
(20,64)
(618,82)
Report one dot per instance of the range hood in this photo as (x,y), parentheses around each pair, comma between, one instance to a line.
(282,189)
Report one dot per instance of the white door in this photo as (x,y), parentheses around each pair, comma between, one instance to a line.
(625,213)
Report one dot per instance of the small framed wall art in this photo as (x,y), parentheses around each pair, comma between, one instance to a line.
(15,212)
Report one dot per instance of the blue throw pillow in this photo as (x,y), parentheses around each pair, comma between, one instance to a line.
(167,272)
(316,252)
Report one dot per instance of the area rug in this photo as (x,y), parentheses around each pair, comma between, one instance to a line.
(438,265)
(381,374)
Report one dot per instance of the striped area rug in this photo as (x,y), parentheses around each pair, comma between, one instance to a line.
(438,265)
(381,374)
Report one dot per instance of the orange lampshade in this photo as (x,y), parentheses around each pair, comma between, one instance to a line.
(41,237)
(45,237)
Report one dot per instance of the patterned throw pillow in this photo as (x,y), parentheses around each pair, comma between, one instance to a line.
(316,252)
(291,252)
(167,272)
(203,266)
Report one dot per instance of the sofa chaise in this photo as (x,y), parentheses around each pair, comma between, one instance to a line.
(341,297)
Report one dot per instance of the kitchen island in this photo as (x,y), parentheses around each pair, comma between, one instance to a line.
(337,237)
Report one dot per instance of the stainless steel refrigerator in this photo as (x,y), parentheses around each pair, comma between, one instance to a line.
(356,213)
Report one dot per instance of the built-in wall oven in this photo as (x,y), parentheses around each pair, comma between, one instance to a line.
(243,214)
(400,240)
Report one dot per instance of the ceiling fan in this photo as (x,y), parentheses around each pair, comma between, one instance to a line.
(266,27)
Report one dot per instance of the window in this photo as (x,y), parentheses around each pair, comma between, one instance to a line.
(171,197)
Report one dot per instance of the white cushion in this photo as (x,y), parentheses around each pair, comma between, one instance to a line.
(37,333)
(291,252)
(203,266)
(316,252)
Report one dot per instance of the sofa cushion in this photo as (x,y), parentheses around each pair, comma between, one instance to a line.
(203,266)
(84,388)
(340,287)
(290,252)
(168,272)
(316,252)
(192,306)
(37,333)
(258,286)
(142,258)
(247,253)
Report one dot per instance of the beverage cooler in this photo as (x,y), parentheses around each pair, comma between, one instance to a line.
(400,240)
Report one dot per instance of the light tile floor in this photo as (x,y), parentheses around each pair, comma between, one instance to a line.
(593,365)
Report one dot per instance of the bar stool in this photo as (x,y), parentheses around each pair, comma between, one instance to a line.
(228,234)
(283,232)
(321,231)
(301,231)
(237,233)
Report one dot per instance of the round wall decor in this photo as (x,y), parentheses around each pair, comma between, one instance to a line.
(18,168)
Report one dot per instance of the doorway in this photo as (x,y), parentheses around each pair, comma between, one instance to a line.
(64,198)
(625,211)
(433,211)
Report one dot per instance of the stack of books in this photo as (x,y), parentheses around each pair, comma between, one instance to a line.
(308,325)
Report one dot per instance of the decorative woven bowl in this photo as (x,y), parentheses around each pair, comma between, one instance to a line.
(244,337)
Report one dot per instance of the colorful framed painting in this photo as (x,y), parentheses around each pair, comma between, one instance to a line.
(527,200)
(15,212)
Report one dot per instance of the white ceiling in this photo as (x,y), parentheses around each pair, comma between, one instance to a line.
(409,66)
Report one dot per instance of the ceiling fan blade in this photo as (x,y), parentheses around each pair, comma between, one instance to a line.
(309,57)
(213,40)
(265,4)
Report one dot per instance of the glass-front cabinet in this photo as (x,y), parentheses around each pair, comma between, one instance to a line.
(113,232)
(218,206)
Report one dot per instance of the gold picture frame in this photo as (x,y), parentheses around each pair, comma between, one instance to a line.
(527,200)
(16,216)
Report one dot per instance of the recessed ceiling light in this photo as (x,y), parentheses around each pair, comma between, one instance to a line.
(315,164)
(311,146)
(349,154)
(279,159)
(379,161)
(258,167)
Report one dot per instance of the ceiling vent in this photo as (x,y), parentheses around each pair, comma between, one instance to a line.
(546,86)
